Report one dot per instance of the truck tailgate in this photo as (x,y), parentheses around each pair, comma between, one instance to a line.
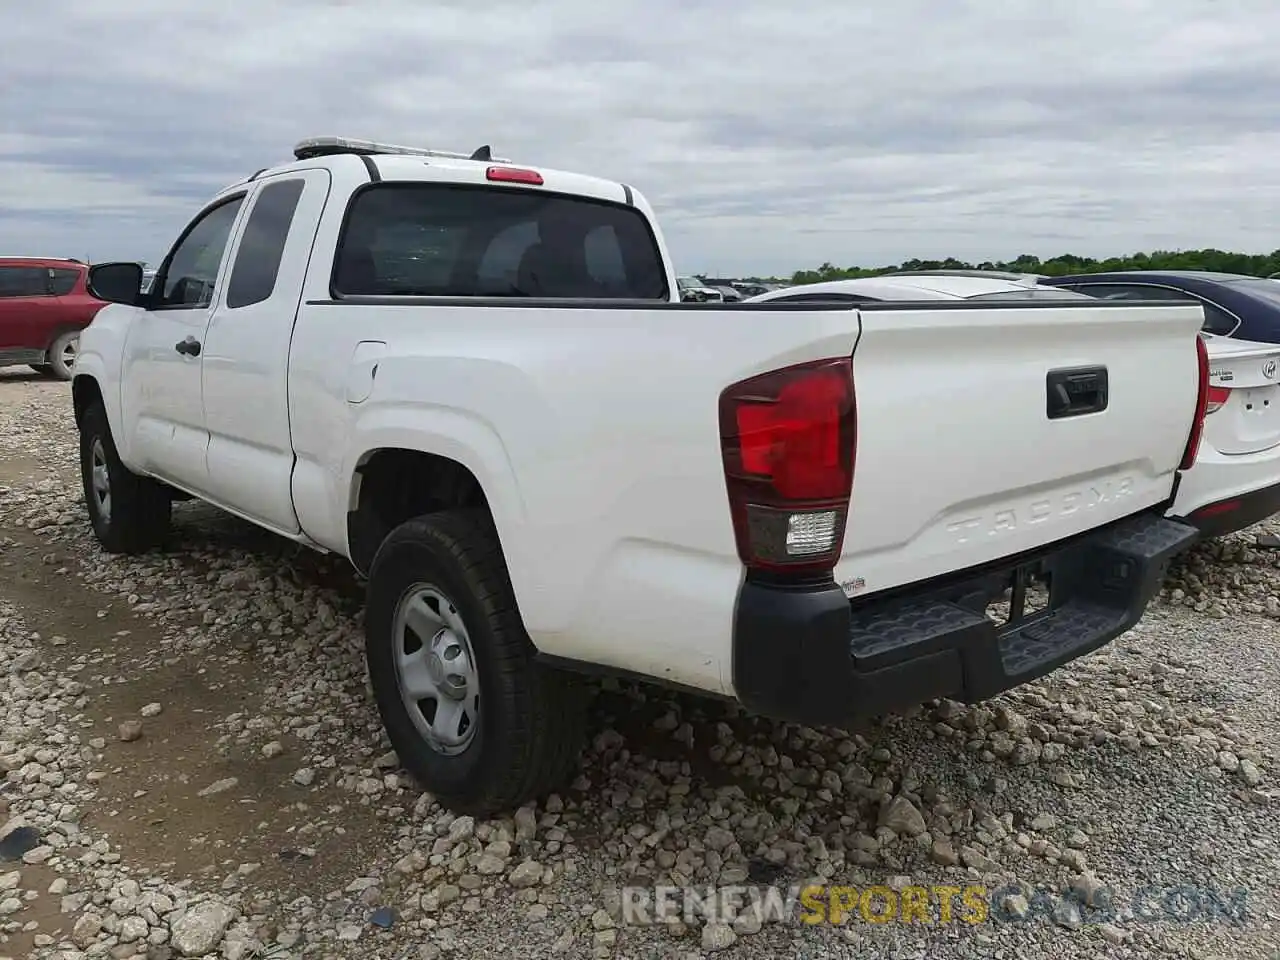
(988,430)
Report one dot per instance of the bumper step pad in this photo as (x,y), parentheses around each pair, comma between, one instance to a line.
(1099,588)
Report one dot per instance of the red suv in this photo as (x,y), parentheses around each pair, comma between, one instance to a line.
(43,307)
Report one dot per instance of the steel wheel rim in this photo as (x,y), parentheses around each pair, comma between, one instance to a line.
(436,671)
(100,479)
(69,351)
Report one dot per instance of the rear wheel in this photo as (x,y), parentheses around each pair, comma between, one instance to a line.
(129,513)
(471,714)
(62,356)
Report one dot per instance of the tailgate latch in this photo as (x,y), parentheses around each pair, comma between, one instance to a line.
(1075,391)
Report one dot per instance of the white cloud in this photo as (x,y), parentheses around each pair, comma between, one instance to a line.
(769,136)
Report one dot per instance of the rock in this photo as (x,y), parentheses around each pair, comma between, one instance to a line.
(304,777)
(38,854)
(901,816)
(489,864)
(718,838)
(151,710)
(201,928)
(86,930)
(1015,905)
(1066,913)
(130,731)
(462,828)
(526,824)
(717,937)
(132,929)
(1090,889)
(219,786)
(272,749)
(973,857)
(944,853)
(527,874)
(1113,934)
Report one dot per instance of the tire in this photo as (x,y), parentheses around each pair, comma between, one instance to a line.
(62,355)
(520,724)
(134,515)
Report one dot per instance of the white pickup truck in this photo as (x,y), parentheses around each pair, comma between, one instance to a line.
(476,381)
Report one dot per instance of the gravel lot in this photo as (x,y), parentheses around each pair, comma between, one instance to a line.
(193,767)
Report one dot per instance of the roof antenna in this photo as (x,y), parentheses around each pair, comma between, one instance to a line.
(483,153)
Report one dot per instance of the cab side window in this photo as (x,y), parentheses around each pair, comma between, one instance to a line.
(188,277)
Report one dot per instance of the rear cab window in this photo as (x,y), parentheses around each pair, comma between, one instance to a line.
(460,240)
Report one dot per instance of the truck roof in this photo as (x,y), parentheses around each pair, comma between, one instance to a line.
(386,161)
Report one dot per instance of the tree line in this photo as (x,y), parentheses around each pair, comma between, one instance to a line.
(1216,261)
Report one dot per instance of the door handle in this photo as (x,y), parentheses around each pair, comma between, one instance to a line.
(189,347)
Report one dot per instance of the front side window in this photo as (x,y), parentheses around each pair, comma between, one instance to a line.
(192,269)
(23,282)
(449,240)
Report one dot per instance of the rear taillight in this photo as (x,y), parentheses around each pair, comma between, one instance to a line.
(1217,398)
(1202,406)
(787,440)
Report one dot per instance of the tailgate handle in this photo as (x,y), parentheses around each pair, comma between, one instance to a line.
(1075,391)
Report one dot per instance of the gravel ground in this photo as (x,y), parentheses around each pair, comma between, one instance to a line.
(193,767)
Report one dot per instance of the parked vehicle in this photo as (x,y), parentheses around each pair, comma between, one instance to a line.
(441,366)
(1236,480)
(43,307)
(908,287)
(694,290)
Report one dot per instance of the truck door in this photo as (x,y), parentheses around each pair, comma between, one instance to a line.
(246,351)
(160,380)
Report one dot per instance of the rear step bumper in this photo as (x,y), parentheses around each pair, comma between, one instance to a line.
(808,655)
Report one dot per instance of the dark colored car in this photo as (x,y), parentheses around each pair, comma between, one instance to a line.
(43,307)
(1235,305)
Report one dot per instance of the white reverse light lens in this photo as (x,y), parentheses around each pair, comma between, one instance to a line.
(811,533)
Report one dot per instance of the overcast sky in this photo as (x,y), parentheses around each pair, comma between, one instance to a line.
(769,135)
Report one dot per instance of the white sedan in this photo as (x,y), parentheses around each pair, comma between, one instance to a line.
(942,285)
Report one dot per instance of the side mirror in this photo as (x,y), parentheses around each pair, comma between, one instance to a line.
(116,283)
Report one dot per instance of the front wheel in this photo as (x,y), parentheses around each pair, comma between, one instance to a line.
(129,513)
(477,721)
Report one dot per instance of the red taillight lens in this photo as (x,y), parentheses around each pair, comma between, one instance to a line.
(787,442)
(1216,399)
(514,175)
(1202,405)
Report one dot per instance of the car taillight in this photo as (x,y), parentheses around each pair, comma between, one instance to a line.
(1202,406)
(1217,398)
(787,440)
